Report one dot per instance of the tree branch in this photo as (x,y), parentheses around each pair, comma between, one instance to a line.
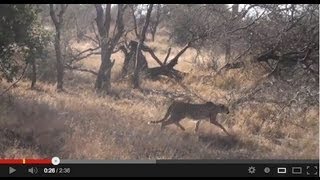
(107,20)
(99,19)
(92,39)
(146,24)
(134,21)
(149,50)
(245,27)
(95,32)
(182,51)
(53,15)
(119,25)
(78,56)
(168,53)
(80,69)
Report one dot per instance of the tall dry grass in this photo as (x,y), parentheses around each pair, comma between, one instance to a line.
(80,124)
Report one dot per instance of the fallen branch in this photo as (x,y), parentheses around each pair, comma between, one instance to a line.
(168,54)
(149,50)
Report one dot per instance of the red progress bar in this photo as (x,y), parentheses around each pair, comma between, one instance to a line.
(25,161)
(11,161)
(38,161)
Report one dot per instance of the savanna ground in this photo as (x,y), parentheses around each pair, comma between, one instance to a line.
(81,124)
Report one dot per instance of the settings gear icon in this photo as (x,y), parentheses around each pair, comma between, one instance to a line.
(252,170)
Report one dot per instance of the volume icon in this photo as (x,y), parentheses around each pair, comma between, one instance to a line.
(33,170)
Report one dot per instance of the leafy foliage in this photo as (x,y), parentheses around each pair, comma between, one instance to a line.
(22,38)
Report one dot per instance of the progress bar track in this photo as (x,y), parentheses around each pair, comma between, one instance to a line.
(108,161)
(187,161)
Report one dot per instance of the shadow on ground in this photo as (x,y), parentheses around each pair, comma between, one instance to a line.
(219,141)
(27,124)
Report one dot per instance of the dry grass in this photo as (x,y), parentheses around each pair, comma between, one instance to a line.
(80,124)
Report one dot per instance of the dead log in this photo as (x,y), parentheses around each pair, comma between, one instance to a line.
(165,68)
(156,72)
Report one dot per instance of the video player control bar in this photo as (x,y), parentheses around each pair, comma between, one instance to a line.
(162,168)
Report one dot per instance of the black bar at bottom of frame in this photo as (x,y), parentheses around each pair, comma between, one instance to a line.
(161,170)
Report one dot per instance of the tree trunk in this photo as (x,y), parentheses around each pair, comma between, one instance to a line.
(108,43)
(156,21)
(137,69)
(227,50)
(126,62)
(235,10)
(234,13)
(103,80)
(153,34)
(34,74)
(59,63)
(129,59)
(58,23)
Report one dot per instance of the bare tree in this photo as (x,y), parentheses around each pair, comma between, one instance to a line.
(137,70)
(57,20)
(108,40)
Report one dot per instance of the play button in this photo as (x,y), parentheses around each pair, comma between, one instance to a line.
(11,170)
